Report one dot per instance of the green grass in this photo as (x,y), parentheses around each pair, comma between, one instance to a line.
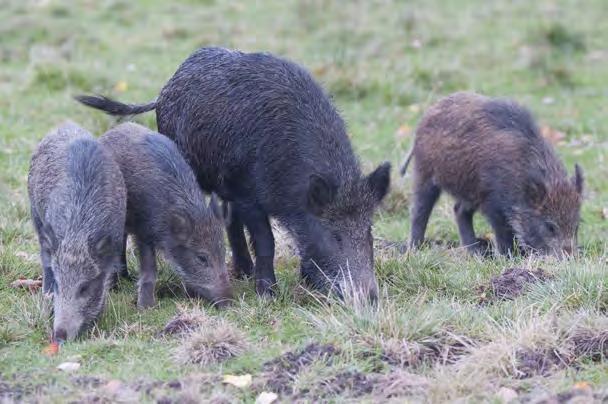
(384,63)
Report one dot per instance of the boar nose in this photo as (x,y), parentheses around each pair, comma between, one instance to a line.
(60,335)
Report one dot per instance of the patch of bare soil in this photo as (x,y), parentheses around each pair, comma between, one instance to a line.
(540,362)
(440,349)
(280,372)
(511,283)
(355,384)
(589,343)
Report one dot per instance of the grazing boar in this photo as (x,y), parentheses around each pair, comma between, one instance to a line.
(259,131)
(78,206)
(489,155)
(166,211)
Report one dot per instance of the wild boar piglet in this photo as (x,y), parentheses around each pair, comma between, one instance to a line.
(78,207)
(490,156)
(167,211)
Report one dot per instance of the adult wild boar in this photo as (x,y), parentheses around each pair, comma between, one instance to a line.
(489,154)
(78,206)
(260,132)
(167,211)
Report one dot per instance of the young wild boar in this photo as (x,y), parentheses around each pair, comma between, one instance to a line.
(488,153)
(260,132)
(166,211)
(78,205)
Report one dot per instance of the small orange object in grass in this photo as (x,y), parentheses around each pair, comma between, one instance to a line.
(51,349)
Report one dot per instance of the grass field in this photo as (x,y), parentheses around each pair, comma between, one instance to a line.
(439,333)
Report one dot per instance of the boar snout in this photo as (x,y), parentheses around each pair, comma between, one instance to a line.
(60,335)
(220,297)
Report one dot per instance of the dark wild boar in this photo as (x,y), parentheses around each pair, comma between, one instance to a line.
(166,211)
(78,205)
(489,154)
(260,132)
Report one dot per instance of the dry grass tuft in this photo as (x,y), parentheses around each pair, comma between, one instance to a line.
(399,383)
(186,320)
(213,342)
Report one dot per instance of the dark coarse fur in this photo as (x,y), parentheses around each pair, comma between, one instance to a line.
(78,206)
(489,154)
(260,132)
(166,211)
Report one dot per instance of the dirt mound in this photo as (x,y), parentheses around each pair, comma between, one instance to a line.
(540,362)
(280,372)
(511,283)
(590,343)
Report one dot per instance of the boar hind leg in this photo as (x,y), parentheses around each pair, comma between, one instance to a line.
(257,222)
(503,231)
(124,271)
(425,196)
(147,275)
(241,259)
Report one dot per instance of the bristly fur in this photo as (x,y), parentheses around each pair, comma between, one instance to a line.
(489,154)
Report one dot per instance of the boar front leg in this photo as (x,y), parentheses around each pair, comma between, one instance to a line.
(241,259)
(48,279)
(502,229)
(258,224)
(147,275)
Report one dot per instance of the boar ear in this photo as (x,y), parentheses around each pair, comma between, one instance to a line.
(535,190)
(180,226)
(579,179)
(379,181)
(102,246)
(320,194)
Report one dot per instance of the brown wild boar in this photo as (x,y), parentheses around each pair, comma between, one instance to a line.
(489,155)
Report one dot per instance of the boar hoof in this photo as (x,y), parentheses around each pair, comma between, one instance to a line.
(263,288)
(242,269)
(145,299)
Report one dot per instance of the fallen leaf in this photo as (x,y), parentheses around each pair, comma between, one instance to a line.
(506,394)
(31,284)
(266,397)
(69,366)
(403,131)
(582,386)
(552,135)
(113,386)
(415,108)
(241,381)
(51,349)
(121,86)
(604,213)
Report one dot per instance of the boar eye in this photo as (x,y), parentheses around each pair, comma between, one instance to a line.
(338,238)
(203,260)
(83,289)
(551,228)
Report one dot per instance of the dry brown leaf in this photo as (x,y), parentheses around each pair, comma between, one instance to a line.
(240,381)
(31,284)
(403,131)
(121,86)
(51,349)
(552,135)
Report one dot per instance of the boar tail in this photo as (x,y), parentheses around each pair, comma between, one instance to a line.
(406,162)
(112,107)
